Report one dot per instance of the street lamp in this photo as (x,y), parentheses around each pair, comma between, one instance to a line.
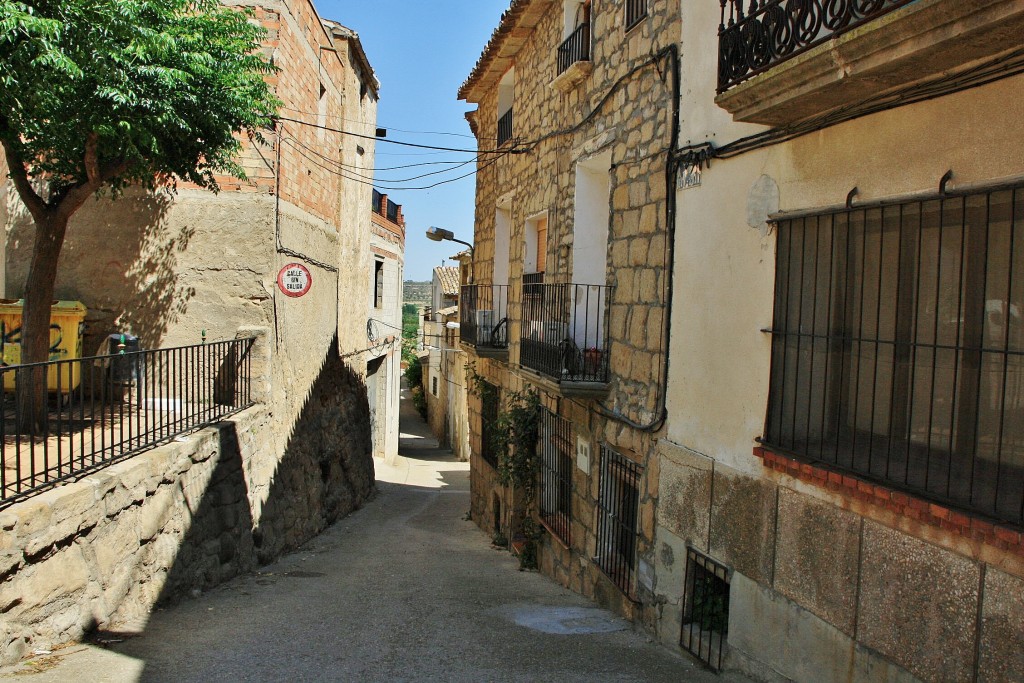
(437,234)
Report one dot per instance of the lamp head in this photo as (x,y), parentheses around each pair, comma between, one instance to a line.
(439,234)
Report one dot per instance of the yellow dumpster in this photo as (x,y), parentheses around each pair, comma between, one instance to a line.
(67,326)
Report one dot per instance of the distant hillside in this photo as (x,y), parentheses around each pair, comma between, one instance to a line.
(416,292)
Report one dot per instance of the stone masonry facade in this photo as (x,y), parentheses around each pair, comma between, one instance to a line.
(620,112)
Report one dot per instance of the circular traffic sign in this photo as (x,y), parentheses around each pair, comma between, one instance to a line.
(294,279)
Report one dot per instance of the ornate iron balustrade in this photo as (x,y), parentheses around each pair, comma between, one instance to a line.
(575,48)
(483,316)
(564,333)
(756,35)
(505,128)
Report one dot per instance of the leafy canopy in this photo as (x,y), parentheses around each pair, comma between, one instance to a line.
(130,91)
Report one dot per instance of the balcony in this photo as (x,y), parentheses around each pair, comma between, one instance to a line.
(781,62)
(574,58)
(505,128)
(564,336)
(483,319)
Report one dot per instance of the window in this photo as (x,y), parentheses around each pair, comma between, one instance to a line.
(556,475)
(378,284)
(898,346)
(575,45)
(506,96)
(636,10)
(489,396)
(618,504)
(433,386)
(706,611)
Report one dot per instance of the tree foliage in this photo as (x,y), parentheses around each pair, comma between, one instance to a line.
(128,91)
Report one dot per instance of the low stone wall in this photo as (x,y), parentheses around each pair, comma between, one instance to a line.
(181,518)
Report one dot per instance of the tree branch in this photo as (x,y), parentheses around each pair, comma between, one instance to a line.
(35,204)
(72,198)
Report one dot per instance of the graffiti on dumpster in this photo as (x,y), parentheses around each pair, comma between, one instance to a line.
(12,337)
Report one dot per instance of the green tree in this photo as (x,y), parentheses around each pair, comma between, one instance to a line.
(97,95)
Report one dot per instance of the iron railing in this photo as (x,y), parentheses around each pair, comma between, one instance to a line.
(575,48)
(755,35)
(490,399)
(565,331)
(505,127)
(103,409)
(618,509)
(556,475)
(706,609)
(898,346)
(636,10)
(483,316)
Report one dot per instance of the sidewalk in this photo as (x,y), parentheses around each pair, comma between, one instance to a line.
(405,589)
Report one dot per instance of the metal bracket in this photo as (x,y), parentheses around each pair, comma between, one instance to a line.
(849,197)
(944,181)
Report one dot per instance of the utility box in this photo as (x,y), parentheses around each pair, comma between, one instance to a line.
(125,362)
(67,327)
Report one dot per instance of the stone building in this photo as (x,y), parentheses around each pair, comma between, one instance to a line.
(571,265)
(844,408)
(176,269)
(383,364)
(826,482)
(444,362)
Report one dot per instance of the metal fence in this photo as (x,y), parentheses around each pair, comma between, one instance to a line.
(483,313)
(575,48)
(65,418)
(556,475)
(618,508)
(898,346)
(505,128)
(565,331)
(706,609)
(755,35)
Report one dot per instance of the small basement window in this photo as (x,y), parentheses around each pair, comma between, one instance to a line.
(706,610)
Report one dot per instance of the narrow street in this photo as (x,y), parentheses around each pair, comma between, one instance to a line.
(405,589)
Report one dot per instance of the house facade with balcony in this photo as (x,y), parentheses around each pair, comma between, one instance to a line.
(841,490)
(571,260)
(383,363)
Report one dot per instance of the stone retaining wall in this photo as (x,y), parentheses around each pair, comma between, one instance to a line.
(103,551)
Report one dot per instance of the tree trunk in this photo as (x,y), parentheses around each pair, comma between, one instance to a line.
(35,322)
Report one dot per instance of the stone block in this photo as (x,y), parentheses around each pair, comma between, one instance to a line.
(42,588)
(684,494)
(1002,628)
(743,523)
(918,604)
(817,558)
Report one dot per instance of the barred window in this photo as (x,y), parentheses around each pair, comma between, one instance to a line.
(490,399)
(636,10)
(618,505)
(556,475)
(898,346)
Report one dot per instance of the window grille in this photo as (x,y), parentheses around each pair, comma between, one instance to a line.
(618,505)
(706,610)
(433,386)
(898,346)
(636,10)
(378,284)
(556,475)
(490,398)
(505,128)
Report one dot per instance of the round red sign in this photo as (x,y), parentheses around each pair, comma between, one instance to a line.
(294,279)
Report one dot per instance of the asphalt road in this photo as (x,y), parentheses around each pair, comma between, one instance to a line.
(405,589)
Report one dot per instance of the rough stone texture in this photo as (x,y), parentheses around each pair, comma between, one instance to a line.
(743,523)
(817,555)
(1002,628)
(684,493)
(905,618)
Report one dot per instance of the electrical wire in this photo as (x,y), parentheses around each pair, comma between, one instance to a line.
(394,142)
(327,159)
(378,124)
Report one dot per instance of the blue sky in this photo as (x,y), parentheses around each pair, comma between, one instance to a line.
(422,51)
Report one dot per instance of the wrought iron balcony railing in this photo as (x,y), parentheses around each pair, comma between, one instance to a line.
(505,127)
(756,35)
(564,332)
(575,48)
(483,313)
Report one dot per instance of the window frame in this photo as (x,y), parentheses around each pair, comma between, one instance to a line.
(618,499)
(556,485)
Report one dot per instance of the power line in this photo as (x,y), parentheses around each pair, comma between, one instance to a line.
(400,130)
(353,169)
(393,142)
